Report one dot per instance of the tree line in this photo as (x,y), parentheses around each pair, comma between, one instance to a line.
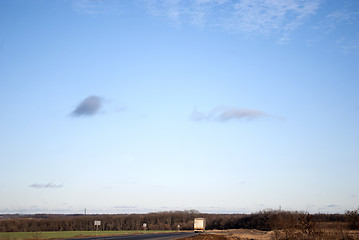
(263,220)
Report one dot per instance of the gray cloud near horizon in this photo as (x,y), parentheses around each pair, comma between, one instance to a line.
(332,206)
(48,185)
(223,114)
(88,107)
(126,207)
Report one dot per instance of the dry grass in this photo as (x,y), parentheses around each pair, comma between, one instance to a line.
(244,234)
(206,236)
(249,234)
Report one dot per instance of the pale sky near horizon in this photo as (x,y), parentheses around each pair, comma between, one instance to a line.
(224,106)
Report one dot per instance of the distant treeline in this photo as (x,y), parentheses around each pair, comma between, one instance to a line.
(264,220)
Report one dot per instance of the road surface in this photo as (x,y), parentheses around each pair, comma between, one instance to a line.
(152,236)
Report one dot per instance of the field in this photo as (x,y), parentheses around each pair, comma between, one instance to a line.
(66,234)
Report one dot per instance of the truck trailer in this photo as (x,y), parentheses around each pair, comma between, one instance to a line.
(199,224)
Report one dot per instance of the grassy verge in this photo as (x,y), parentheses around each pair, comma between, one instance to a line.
(66,234)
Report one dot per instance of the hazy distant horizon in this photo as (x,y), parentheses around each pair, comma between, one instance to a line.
(98,212)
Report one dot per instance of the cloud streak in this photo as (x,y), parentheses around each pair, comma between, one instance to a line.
(265,17)
(88,107)
(48,185)
(224,114)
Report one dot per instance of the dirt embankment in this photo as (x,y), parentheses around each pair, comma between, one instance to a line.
(251,234)
(243,234)
(206,236)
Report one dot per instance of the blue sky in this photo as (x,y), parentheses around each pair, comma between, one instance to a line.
(153,105)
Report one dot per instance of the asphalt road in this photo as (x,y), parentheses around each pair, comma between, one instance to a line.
(153,236)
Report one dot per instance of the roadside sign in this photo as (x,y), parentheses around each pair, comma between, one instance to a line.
(97,223)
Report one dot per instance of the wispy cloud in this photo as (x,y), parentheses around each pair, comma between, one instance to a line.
(341,16)
(341,25)
(196,12)
(223,114)
(48,185)
(349,44)
(269,17)
(96,6)
(264,17)
(342,19)
(88,107)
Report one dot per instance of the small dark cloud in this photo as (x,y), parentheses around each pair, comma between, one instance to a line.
(88,107)
(48,185)
(223,114)
(332,206)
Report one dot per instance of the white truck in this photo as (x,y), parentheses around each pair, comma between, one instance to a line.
(199,224)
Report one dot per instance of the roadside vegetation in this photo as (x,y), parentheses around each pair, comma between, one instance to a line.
(301,226)
(273,225)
